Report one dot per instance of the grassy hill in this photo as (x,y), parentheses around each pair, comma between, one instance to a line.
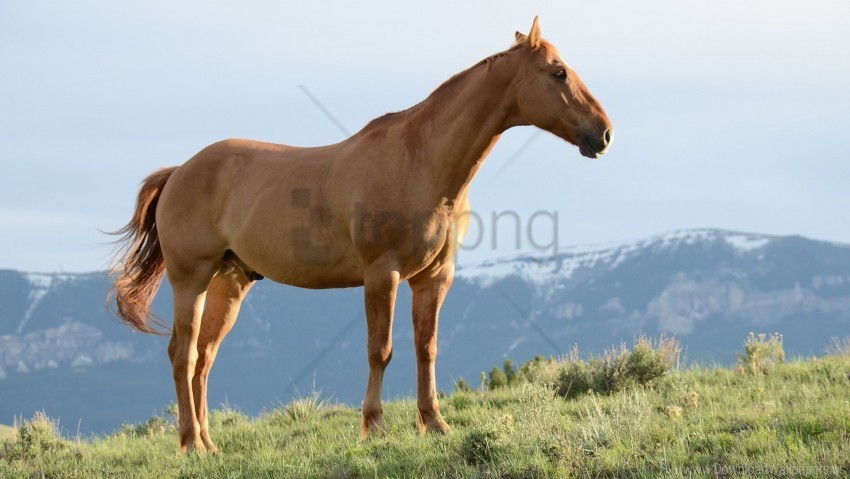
(6,431)
(788,419)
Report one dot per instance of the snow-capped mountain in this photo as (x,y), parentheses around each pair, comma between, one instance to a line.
(713,285)
(61,352)
(543,269)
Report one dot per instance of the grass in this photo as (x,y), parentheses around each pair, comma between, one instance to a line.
(792,420)
(6,431)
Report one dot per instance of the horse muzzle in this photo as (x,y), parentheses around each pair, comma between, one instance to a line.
(594,145)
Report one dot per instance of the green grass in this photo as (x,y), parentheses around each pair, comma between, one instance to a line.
(6,431)
(793,421)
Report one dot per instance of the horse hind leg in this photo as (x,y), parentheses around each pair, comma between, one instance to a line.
(224,298)
(190,286)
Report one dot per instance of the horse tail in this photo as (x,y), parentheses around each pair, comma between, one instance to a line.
(139,265)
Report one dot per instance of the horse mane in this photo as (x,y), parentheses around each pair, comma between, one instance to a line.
(437,96)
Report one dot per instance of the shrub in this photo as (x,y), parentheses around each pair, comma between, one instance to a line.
(762,353)
(579,377)
(647,362)
(618,369)
(496,379)
(511,373)
(153,426)
(34,438)
(539,371)
(462,386)
(157,424)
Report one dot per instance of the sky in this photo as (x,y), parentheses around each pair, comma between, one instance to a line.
(727,114)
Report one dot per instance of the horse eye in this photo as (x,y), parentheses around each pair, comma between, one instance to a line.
(560,74)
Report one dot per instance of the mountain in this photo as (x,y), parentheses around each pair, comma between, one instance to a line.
(61,352)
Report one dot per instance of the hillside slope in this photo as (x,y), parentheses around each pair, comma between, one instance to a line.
(59,350)
(702,423)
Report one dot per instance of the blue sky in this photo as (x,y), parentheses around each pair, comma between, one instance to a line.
(727,114)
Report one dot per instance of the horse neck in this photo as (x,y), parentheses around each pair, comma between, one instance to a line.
(460,123)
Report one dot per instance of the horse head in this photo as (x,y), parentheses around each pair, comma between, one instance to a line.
(550,95)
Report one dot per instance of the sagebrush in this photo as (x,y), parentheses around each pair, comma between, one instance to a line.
(619,368)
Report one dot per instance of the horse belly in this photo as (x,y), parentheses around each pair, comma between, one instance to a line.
(294,250)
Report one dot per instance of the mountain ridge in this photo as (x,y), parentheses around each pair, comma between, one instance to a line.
(60,351)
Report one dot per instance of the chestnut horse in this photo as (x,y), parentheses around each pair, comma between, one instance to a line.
(386,205)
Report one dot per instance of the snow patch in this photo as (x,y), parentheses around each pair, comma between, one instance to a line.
(35,297)
(40,286)
(47,280)
(746,243)
(686,237)
(541,269)
(537,270)
(39,280)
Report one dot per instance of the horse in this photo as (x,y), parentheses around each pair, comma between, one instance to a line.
(389,204)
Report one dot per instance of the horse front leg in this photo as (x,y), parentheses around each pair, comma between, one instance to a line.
(428,295)
(380,284)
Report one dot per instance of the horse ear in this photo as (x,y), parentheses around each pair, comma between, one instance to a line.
(533,38)
(520,38)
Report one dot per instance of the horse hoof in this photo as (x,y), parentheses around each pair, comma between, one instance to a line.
(433,425)
(210,446)
(441,428)
(373,427)
(193,446)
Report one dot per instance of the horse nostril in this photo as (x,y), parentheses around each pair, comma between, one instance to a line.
(607,137)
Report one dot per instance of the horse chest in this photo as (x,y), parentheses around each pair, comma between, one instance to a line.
(414,238)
